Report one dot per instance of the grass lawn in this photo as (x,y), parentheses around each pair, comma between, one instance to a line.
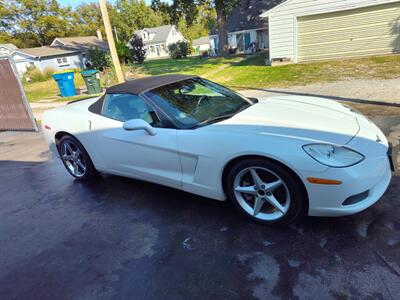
(251,72)
(241,72)
(48,90)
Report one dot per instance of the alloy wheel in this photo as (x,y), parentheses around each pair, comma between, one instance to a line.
(73,159)
(262,193)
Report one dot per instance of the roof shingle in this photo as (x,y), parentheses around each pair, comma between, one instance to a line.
(45,51)
(81,43)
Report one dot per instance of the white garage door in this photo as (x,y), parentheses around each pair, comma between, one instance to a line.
(359,32)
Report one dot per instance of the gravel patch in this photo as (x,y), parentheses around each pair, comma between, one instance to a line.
(383,90)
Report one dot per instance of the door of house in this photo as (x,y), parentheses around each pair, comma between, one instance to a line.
(246,40)
(158,49)
(239,42)
(15,112)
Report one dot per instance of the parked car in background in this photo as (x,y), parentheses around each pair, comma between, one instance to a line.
(275,159)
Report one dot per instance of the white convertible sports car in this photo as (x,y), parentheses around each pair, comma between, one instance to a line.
(275,159)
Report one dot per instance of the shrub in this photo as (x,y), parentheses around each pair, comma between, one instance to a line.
(123,52)
(33,74)
(179,50)
(109,77)
(137,50)
(98,58)
(48,72)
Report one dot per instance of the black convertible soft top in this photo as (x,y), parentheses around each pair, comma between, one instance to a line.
(140,85)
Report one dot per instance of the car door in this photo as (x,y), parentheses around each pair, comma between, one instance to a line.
(134,153)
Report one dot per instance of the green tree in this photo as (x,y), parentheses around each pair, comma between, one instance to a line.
(123,52)
(189,10)
(37,22)
(87,19)
(130,15)
(204,22)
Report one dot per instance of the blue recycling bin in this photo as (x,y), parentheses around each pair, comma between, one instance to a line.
(65,81)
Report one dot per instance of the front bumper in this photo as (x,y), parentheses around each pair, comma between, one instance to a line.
(368,181)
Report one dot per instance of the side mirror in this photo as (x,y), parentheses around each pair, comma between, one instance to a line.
(252,99)
(139,124)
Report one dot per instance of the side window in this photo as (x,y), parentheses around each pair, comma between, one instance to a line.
(124,107)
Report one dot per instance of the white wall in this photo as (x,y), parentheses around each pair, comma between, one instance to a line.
(171,39)
(163,54)
(4,51)
(23,61)
(204,47)
(74,62)
(213,44)
(199,49)
(283,22)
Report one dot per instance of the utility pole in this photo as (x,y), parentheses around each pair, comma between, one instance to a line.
(110,40)
(116,34)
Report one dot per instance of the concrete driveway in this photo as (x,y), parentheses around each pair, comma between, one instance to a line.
(117,238)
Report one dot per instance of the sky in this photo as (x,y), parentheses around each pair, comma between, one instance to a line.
(75,3)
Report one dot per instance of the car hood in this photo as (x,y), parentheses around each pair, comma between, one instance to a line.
(310,118)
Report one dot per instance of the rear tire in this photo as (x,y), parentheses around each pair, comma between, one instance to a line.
(75,158)
(265,191)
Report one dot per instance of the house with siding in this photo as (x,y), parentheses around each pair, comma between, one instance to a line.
(201,45)
(62,54)
(157,39)
(7,49)
(313,30)
(247,31)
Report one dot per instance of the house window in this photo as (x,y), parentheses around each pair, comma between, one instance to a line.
(151,49)
(163,48)
(173,32)
(62,61)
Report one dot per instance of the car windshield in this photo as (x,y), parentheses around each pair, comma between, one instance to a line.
(195,102)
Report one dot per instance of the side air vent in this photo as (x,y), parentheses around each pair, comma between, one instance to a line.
(356,198)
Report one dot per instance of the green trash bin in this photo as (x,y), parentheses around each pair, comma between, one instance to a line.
(92,81)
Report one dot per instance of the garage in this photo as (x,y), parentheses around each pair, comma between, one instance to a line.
(309,30)
(373,30)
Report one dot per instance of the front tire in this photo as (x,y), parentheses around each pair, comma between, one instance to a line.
(265,191)
(75,158)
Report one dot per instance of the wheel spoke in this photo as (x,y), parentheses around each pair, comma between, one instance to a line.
(275,203)
(75,165)
(258,205)
(272,186)
(246,190)
(65,149)
(80,164)
(77,153)
(256,179)
(68,146)
(66,157)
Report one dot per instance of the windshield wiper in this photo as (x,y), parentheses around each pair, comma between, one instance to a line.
(213,120)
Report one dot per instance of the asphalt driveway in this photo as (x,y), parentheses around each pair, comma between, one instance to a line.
(117,238)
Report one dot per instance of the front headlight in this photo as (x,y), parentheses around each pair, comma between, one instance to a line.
(333,156)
